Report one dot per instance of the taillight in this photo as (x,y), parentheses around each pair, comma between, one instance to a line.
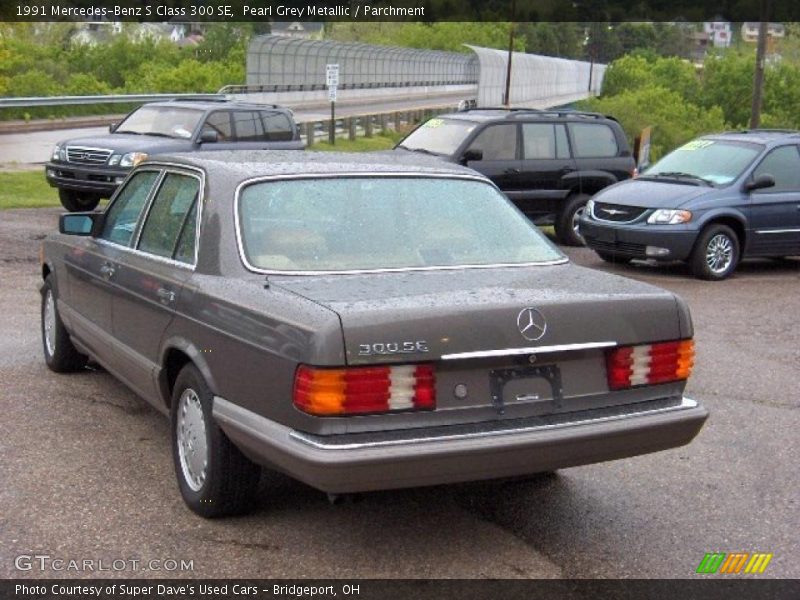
(649,364)
(360,390)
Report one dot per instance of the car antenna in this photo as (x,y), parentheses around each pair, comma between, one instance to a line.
(266,282)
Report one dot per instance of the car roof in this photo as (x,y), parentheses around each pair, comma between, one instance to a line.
(247,164)
(483,114)
(758,136)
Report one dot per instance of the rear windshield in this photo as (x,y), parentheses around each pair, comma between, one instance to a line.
(718,162)
(440,136)
(370,223)
(164,121)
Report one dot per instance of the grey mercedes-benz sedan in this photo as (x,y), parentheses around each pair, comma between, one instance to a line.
(360,323)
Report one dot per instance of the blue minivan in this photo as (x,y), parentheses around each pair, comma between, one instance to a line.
(710,203)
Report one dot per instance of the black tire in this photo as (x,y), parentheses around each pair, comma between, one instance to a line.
(716,253)
(613,258)
(78,201)
(59,353)
(565,223)
(229,481)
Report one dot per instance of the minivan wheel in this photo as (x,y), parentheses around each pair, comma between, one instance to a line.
(568,219)
(78,201)
(60,354)
(214,477)
(716,253)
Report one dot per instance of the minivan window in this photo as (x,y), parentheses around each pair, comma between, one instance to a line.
(784,165)
(717,161)
(123,214)
(497,142)
(593,140)
(168,214)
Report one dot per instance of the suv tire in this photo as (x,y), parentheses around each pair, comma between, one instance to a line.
(60,354)
(566,223)
(214,477)
(716,253)
(78,201)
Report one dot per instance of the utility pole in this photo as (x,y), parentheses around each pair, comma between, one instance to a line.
(758,75)
(507,97)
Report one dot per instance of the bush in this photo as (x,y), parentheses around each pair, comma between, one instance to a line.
(674,120)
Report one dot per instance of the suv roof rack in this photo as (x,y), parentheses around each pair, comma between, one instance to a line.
(547,112)
(223,99)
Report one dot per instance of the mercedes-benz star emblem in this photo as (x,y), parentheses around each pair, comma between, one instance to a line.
(531,323)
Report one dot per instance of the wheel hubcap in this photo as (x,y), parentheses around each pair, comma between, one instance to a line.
(192,442)
(719,253)
(49,323)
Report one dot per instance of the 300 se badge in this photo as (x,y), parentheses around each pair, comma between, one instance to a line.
(381,348)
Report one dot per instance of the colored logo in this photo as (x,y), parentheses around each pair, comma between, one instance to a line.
(734,563)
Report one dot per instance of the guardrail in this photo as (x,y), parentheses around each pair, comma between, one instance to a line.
(365,125)
(26,102)
(228,90)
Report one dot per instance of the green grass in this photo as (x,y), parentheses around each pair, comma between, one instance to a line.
(26,189)
(380,141)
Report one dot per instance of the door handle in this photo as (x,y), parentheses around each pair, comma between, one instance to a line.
(166,296)
(512,171)
(566,170)
(107,270)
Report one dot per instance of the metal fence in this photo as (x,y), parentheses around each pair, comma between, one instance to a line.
(536,81)
(283,61)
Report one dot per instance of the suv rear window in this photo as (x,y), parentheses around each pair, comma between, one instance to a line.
(593,140)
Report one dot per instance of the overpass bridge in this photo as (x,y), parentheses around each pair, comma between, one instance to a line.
(291,71)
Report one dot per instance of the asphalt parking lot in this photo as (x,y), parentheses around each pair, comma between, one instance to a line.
(86,471)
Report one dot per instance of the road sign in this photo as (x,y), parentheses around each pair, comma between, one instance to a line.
(332,93)
(332,75)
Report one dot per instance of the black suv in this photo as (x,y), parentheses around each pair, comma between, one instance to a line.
(548,162)
(85,170)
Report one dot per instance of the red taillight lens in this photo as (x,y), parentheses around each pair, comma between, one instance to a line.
(360,390)
(649,364)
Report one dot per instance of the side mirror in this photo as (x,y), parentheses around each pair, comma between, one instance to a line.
(762,181)
(112,127)
(78,223)
(471,155)
(208,136)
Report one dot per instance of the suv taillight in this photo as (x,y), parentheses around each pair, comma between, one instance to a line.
(649,364)
(361,390)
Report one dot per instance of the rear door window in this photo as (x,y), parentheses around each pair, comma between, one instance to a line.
(497,142)
(593,140)
(544,141)
(123,214)
(169,216)
(248,126)
(784,165)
